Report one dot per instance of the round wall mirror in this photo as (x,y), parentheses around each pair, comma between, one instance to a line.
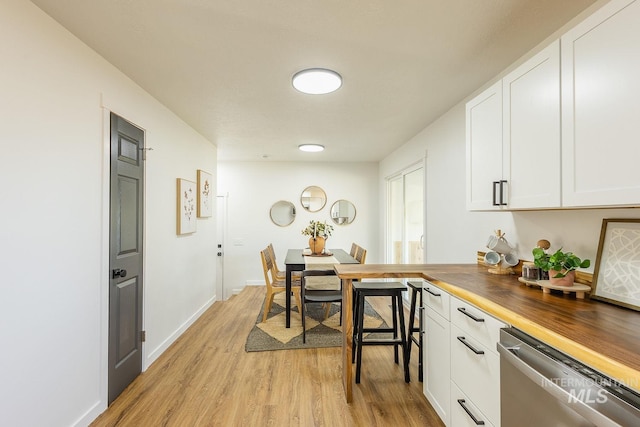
(282,213)
(313,198)
(343,212)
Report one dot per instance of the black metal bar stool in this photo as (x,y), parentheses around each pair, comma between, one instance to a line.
(390,289)
(416,292)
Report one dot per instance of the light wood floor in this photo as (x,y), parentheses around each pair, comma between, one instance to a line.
(207,379)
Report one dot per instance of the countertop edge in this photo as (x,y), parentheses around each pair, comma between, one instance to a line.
(626,375)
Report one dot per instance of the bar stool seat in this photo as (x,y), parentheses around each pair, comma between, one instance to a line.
(416,288)
(390,289)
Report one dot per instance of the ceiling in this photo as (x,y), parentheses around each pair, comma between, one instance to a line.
(225,66)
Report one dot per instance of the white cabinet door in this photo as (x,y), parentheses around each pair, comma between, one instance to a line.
(436,363)
(531,131)
(463,412)
(484,149)
(601,108)
(475,369)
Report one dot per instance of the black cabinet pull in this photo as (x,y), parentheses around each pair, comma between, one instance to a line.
(502,191)
(463,340)
(464,311)
(478,422)
(435,294)
(495,184)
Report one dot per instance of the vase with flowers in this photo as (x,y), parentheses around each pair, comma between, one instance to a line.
(318,233)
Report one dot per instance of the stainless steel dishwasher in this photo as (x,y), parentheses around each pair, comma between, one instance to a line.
(540,386)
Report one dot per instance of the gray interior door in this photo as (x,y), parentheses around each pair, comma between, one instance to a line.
(125,262)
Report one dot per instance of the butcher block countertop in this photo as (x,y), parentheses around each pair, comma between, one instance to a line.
(601,335)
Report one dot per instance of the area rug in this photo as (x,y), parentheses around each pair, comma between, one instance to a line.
(272,334)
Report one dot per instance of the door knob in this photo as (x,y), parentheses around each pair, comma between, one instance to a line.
(118,272)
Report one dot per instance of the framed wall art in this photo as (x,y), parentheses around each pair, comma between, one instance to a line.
(205,197)
(616,278)
(186,202)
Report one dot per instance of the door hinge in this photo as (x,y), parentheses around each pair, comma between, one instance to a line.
(143,336)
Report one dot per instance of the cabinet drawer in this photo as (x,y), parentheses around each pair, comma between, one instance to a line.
(463,412)
(476,371)
(476,323)
(436,299)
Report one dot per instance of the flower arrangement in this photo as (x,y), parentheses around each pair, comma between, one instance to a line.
(317,228)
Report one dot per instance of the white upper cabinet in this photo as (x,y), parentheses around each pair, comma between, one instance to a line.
(601,108)
(484,149)
(513,138)
(531,131)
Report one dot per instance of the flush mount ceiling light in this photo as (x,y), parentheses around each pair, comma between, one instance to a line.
(317,81)
(311,148)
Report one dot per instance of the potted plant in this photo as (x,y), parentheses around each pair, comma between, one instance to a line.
(560,265)
(318,232)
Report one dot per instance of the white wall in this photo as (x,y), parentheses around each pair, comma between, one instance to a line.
(252,188)
(55,96)
(453,234)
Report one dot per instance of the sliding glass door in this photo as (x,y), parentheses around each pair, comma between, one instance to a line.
(405,244)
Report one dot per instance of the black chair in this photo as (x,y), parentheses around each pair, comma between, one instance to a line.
(320,291)
(394,290)
(416,298)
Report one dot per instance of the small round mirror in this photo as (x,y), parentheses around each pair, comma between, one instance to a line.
(343,212)
(282,213)
(313,198)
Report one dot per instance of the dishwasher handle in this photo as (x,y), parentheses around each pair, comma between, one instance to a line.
(509,355)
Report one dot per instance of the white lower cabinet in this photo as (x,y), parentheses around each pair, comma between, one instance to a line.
(475,362)
(461,363)
(436,364)
(476,371)
(436,354)
(463,412)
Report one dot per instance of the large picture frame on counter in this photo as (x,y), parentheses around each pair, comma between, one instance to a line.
(617,270)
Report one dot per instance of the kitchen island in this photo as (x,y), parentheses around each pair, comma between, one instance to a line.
(601,335)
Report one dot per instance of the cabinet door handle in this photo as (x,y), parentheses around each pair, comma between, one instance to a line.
(463,340)
(462,403)
(435,294)
(420,320)
(495,185)
(502,192)
(464,311)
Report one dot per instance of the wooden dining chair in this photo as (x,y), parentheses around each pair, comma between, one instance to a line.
(361,255)
(354,249)
(275,285)
(280,275)
(321,286)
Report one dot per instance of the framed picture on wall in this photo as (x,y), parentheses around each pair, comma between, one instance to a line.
(205,197)
(615,278)
(186,202)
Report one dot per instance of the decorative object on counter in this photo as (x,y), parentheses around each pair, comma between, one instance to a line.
(615,279)
(530,271)
(544,245)
(318,232)
(560,265)
(500,257)
(578,288)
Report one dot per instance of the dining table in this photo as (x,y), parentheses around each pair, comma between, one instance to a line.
(295,261)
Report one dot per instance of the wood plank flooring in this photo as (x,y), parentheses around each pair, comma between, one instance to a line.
(207,379)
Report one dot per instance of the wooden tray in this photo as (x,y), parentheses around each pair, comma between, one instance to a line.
(577,288)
